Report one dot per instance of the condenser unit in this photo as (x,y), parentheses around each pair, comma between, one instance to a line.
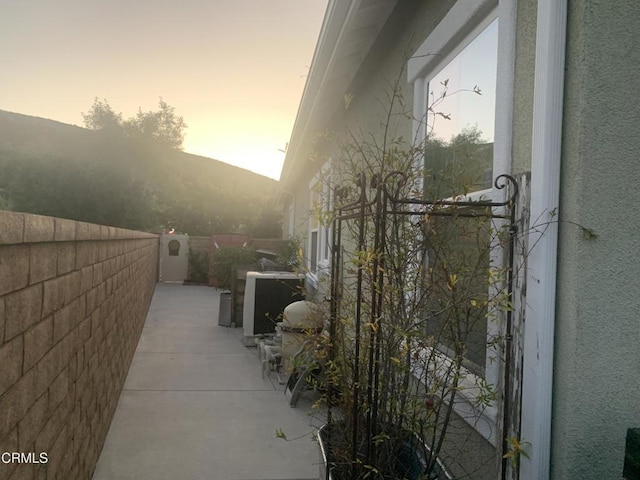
(265,297)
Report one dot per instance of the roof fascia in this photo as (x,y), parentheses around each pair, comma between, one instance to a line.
(334,25)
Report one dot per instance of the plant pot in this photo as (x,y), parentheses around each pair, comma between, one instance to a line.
(410,458)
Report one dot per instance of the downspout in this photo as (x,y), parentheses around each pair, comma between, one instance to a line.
(537,389)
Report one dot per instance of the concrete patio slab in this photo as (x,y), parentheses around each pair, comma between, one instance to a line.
(180,371)
(195,405)
(195,339)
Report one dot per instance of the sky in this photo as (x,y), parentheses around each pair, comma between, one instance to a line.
(233,69)
(475,65)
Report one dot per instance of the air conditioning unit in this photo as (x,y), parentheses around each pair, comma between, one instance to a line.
(265,297)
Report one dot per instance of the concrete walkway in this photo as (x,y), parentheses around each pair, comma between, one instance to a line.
(195,405)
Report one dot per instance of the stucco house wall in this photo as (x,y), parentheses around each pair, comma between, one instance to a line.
(383,73)
(383,67)
(596,357)
(597,354)
(365,113)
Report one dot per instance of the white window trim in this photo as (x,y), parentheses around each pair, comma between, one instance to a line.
(483,419)
(464,21)
(537,378)
(449,37)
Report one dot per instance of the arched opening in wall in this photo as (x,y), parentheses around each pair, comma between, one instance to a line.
(174,248)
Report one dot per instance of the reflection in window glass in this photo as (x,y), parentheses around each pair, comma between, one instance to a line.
(457,317)
(459,151)
(459,160)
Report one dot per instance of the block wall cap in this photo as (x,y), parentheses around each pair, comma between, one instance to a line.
(19,227)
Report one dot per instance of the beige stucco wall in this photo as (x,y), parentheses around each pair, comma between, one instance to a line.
(597,349)
(383,73)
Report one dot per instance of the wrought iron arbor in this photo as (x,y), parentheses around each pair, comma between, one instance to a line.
(374,218)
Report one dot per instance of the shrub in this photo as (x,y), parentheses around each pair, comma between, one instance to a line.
(223,261)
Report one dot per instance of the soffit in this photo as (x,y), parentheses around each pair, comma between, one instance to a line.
(349,30)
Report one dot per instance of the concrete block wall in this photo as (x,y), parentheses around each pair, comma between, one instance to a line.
(73,300)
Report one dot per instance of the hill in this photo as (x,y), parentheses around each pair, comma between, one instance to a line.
(52,168)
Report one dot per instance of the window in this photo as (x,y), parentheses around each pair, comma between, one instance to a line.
(459,160)
(455,98)
(460,118)
(319,253)
(460,326)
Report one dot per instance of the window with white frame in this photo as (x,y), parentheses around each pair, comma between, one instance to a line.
(460,118)
(455,115)
(459,160)
(319,250)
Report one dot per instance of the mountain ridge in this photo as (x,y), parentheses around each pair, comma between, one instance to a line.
(19,129)
(52,168)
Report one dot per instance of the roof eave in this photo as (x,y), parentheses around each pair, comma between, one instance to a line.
(348,31)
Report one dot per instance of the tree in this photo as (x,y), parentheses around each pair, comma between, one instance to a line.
(80,189)
(162,127)
(102,117)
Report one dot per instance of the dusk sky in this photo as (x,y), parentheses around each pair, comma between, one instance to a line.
(234,69)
